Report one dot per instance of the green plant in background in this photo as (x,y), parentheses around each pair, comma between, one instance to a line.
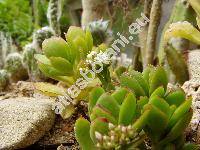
(142,104)
(16,18)
(14,66)
(4,79)
(100,32)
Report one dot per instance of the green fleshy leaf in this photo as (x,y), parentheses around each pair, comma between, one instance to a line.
(62,65)
(94,96)
(176,97)
(108,103)
(49,89)
(56,47)
(158,78)
(128,110)
(132,84)
(179,113)
(119,95)
(99,125)
(82,133)
(98,112)
(177,129)
(42,59)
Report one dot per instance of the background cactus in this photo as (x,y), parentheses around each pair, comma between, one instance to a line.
(100,32)
(40,35)
(54,14)
(30,63)
(15,68)
(117,119)
(4,79)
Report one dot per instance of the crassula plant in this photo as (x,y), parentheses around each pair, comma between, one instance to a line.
(142,108)
(62,60)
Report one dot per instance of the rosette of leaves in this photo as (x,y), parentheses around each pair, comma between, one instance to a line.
(170,110)
(100,31)
(114,122)
(62,60)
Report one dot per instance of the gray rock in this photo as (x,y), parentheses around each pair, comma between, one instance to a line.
(194,64)
(192,88)
(23,121)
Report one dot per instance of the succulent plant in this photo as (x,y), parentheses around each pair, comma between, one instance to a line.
(62,60)
(4,79)
(141,104)
(14,66)
(113,121)
(100,31)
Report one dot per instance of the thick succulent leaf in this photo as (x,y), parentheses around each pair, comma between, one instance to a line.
(132,84)
(49,89)
(161,104)
(89,40)
(56,47)
(119,95)
(82,47)
(82,133)
(178,128)
(62,65)
(158,116)
(49,71)
(172,110)
(108,103)
(42,59)
(98,112)
(183,30)
(143,100)
(176,97)
(142,121)
(94,96)
(73,33)
(127,111)
(160,91)
(99,125)
(158,78)
(179,113)
(143,83)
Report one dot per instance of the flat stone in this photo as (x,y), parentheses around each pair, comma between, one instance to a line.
(194,64)
(23,121)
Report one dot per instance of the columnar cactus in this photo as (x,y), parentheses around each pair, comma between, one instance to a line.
(142,104)
(15,68)
(54,14)
(100,32)
(4,79)
(30,63)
